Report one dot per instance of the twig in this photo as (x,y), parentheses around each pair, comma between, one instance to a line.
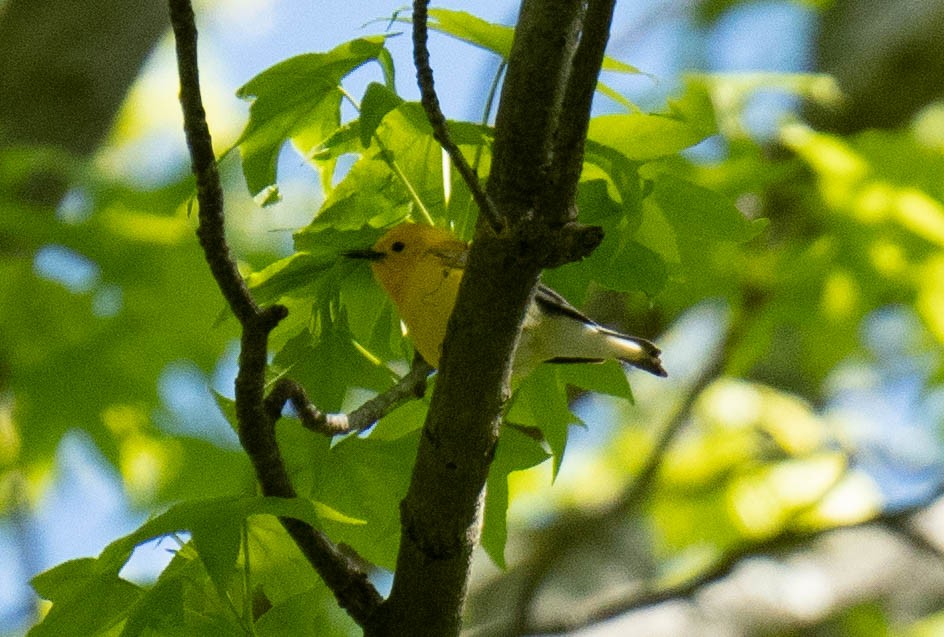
(412,385)
(341,573)
(209,189)
(424,78)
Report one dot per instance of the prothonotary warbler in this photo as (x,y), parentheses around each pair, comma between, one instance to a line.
(420,266)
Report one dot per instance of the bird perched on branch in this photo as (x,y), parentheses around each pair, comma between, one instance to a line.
(420,267)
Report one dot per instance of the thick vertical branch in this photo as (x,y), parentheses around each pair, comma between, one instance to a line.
(529,112)
(575,111)
(440,515)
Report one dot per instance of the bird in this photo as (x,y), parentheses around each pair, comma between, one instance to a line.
(420,267)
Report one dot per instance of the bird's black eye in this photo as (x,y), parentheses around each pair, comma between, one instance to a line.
(397,246)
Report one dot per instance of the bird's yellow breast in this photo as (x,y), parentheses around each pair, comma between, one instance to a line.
(425,302)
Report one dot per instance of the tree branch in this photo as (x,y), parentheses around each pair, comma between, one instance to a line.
(256,427)
(203,162)
(575,110)
(539,67)
(411,386)
(440,515)
(430,101)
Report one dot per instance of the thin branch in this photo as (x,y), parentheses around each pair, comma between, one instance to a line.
(209,189)
(430,101)
(411,386)
(341,573)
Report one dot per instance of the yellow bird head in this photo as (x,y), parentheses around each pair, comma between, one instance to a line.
(407,250)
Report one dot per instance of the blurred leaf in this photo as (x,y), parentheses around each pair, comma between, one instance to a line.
(645,136)
(120,330)
(699,214)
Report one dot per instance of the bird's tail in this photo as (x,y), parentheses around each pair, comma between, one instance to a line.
(638,352)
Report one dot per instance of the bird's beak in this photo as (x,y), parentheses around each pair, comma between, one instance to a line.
(368,254)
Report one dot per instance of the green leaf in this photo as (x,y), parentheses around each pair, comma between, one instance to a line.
(398,174)
(385,59)
(365,479)
(318,274)
(295,275)
(297,99)
(648,136)
(371,194)
(474,30)
(700,214)
(377,102)
(493,37)
(184,601)
(608,378)
(86,601)
(161,607)
(310,613)
(616,96)
(65,580)
(330,364)
(403,420)
(541,401)
(344,141)
(625,265)
(623,185)
(366,305)
(621,262)
(644,136)
(205,519)
(227,407)
(515,452)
